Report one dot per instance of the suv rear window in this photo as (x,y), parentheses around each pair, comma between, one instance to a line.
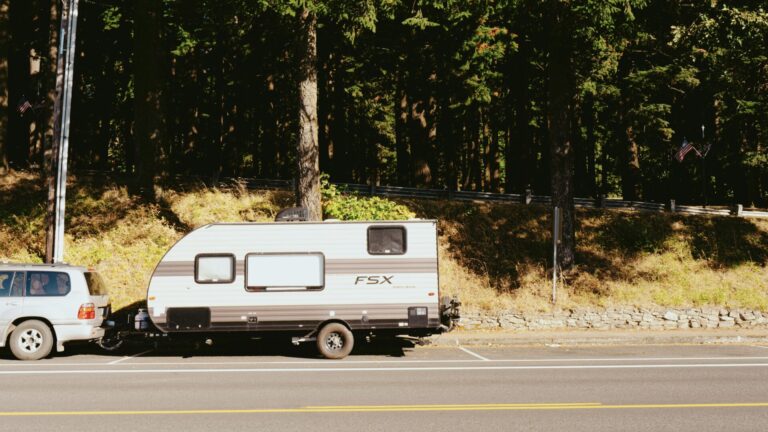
(96,285)
(47,284)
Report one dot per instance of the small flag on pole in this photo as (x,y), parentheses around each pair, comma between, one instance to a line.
(23,106)
(684,149)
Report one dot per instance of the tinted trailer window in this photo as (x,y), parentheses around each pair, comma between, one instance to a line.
(386,240)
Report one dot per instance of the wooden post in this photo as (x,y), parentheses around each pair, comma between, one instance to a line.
(51,238)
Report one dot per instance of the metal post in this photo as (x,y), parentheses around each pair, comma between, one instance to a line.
(66,109)
(555,238)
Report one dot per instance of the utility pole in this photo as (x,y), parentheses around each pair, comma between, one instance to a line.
(57,181)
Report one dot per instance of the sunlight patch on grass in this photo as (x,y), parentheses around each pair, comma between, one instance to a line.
(198,208)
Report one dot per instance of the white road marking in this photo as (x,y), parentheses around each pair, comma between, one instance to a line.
(473,354)
(192,362)
(760,346)
(384,369)
(128,358)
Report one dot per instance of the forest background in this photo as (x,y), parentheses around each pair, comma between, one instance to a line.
(433,93)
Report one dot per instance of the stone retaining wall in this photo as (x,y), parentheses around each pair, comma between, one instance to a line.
(627,318)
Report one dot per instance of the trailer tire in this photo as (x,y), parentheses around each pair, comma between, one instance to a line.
(335,341)
(31,340)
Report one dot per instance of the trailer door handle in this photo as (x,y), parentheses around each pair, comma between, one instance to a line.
(11,304)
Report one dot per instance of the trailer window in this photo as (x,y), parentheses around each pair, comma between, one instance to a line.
(214,268)
(284,271)
(386,240)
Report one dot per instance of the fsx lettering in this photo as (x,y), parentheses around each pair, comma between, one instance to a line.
(374,280)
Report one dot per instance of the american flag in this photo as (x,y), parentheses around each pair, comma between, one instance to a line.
(684,149)
(24,106)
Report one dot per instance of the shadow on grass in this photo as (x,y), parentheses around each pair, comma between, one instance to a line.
(722,242)
(498,240)
(493,240)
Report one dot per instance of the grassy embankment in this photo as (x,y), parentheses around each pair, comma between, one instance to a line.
(492,256)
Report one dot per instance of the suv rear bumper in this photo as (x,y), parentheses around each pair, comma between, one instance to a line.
(68,333)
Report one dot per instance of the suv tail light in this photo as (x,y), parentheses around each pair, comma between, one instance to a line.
(87,311)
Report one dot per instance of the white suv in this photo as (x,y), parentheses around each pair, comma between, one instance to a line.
(43,304)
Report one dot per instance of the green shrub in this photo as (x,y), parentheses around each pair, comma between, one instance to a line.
(343,205)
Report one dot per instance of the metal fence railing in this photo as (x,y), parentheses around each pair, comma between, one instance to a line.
(411,192)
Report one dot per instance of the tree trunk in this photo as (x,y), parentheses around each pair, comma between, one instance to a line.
(401,136)
(326,78)
(519,150)
(338,136)
(147,99)
(485,150)
(446,136)
(474,178)
(560,143)
(4,105)
(418,136)
(588,119)
(308,185)
(19,45)
(495,174)
(579,154)
(43,56)
(625,135)
(630,173)
(268,159)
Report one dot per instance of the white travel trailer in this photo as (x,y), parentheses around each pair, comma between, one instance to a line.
(318,281)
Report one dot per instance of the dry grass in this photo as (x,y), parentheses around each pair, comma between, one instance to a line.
(116,233)
(492,256)
(498,256)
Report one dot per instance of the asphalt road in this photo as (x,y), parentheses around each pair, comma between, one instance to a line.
(627,388)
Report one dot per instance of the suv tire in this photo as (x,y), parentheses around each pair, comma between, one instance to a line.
(31,340)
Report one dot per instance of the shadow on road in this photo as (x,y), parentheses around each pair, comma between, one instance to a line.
(265,347)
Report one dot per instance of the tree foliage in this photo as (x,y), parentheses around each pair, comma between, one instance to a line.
(429,93)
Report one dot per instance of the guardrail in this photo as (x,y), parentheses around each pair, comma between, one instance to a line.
(411,192)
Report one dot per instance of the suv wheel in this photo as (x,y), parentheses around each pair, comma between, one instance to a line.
(31,340)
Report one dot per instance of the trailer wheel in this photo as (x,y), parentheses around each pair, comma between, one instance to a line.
(335,341)
(31,340)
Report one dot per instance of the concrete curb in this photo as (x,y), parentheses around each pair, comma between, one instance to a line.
(597,337)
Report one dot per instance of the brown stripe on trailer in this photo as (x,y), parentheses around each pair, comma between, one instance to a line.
(314,313)
(332,266)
